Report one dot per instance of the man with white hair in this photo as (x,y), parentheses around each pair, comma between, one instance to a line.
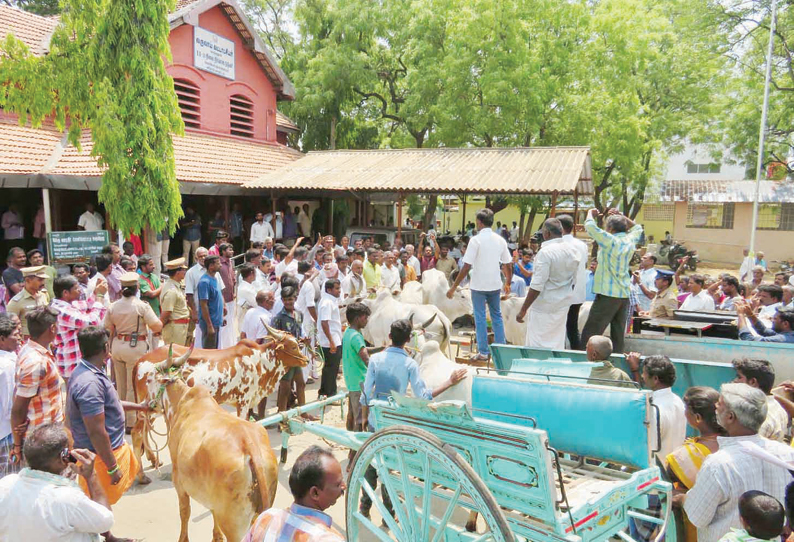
(599,348)
(742,463)
(413,261)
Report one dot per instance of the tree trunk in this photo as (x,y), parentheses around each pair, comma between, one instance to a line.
(530,220)
(496,204)
(333,132)
(430,210)
(521,222)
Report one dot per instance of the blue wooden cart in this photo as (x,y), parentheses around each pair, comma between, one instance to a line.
(535,460)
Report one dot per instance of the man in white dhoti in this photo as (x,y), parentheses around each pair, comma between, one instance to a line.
(551,291)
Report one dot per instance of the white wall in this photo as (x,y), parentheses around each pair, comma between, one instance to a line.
(699,154)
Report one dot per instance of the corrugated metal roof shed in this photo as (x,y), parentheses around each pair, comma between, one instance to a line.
(537,170)
(703,191)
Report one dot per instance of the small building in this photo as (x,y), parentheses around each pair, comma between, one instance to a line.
(228,86)
(715,217)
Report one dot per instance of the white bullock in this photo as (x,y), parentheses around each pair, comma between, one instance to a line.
(515,332)
(435,368)
(413,293)
(435,287)
(386,309)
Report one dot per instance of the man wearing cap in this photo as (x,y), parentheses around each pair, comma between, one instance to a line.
(665,302)
(30,297)
(175,314)
(127,320)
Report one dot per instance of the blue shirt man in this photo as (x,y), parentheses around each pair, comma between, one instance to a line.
(191,226)
(782,325)
(210,298)
(90,393)
(393,369)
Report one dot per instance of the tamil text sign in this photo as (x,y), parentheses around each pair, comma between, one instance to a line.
(213,53)
(76,246)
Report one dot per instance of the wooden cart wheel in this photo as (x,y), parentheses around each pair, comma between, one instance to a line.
(431,487)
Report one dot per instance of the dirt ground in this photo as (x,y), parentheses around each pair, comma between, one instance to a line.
(151,512)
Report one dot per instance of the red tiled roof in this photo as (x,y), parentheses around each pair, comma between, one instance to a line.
(183,4)
(200,158)
(283,121)
(32,30)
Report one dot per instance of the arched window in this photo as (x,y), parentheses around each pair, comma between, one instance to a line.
(242,116)
(189,98)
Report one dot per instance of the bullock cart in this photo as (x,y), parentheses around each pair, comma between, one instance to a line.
(526,456)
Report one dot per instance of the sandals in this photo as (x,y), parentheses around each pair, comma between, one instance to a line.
(479,357)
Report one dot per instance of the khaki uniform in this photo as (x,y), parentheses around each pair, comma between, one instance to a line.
(664,305)
(23,303)
(121,320)
(172,298)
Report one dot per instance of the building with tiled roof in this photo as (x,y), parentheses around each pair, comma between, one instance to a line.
(228,85)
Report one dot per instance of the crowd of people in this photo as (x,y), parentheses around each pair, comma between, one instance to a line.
(82,333)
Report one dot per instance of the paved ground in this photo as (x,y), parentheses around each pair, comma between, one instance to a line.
(151,512)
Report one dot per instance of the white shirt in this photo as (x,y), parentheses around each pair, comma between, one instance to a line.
(91,221)
(776,422)
(647,279)
(701,302)
(353,285)
(747,265)
(304,302)
(580,288)
(8,363)
(672,422)
(282,267)
(767,313)
(390,278)
(91,286)
(712,504)
(40,506)
(246,295)
(279,226)
(328,311)
(252,321)
(486,253)
(260,231)
(553,274)
(413,261)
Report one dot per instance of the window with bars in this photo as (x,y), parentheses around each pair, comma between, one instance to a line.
(702,168)
(776,216)
(242,116)
(718,216)
(189,98)
(658,212)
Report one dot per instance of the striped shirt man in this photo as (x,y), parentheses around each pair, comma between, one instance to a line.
(612,276)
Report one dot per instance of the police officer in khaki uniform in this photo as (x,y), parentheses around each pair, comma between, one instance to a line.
(127,320)
(30,297)
(174,312)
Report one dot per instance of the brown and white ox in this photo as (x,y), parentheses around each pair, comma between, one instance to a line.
(240,376)
(221,461)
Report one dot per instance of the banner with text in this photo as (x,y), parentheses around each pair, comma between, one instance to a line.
(76,246)
(213,53)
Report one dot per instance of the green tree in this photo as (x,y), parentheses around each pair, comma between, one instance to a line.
(105,72)
(743,28)
(39,7)
(648,76)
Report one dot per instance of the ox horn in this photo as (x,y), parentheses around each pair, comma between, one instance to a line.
(424,325)
(277,335)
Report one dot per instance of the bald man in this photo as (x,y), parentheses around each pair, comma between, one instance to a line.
(599,348)
(265,300)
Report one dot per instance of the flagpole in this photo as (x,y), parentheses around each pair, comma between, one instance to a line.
(759,167)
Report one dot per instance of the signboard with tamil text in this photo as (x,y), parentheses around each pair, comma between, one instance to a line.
(213,53)
(75,246)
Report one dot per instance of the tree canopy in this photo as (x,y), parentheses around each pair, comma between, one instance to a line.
(105,72)
(630,78)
